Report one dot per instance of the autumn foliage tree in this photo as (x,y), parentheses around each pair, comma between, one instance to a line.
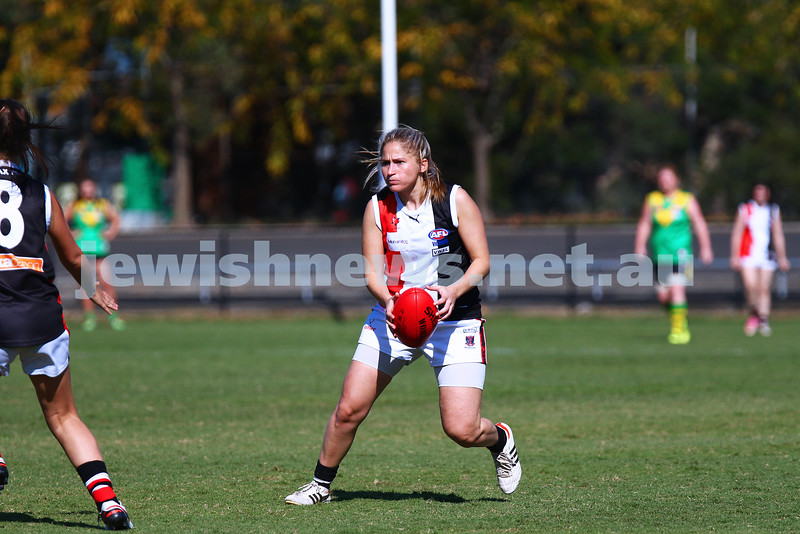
(559,98)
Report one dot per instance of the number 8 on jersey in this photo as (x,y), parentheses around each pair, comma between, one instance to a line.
(12,225)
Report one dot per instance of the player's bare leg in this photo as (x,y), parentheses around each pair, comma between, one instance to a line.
(751,286)
(750,283)
(460,409)
(764,296)
(362,386)
(58,406)
(103,272)
(758,288)
(663,296)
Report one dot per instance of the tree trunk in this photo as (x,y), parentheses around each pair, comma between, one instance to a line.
(181,154)
(482,143)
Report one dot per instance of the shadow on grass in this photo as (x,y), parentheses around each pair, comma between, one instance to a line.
(21,517)
(339,495)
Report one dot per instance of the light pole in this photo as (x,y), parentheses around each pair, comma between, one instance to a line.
(389,63)
(690,56)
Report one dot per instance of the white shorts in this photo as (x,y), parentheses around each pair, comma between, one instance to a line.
(50,359)
(456,350)
(761,261)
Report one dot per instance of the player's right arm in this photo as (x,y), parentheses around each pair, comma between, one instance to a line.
(374,258)
(72,258)
(643,229)
(736,240)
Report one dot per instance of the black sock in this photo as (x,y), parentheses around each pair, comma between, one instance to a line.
(497,448)
(324,475)
(95,478)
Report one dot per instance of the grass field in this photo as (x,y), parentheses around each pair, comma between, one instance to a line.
(207,424)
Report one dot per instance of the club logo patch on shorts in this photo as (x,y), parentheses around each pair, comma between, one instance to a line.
(470,341)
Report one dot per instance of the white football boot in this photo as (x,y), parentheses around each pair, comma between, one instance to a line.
(509,471)
(311,493)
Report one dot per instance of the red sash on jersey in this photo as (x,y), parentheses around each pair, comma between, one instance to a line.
(746,211)
(747,236)
(394,264)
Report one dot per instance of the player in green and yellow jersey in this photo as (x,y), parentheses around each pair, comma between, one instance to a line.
(668,217)
(95,223)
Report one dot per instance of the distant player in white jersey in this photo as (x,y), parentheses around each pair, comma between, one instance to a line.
(758,247)
(419,231)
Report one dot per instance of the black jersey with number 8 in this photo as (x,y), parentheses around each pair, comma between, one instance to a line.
(30,306)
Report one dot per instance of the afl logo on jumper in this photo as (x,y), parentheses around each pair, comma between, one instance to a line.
(438,234)
(439,238)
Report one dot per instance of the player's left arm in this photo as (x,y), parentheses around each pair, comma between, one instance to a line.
(69,211)
(779,243)
(73,259)
(113,221)
(69,216)
(473,235)
(701,231)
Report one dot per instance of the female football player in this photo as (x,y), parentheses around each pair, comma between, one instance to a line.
(31,318)
(758,247)
(96,224)
(667,219)
(419,231)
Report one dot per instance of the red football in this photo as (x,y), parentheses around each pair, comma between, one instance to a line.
(414,317)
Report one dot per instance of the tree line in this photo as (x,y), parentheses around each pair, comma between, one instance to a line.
(258,109)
